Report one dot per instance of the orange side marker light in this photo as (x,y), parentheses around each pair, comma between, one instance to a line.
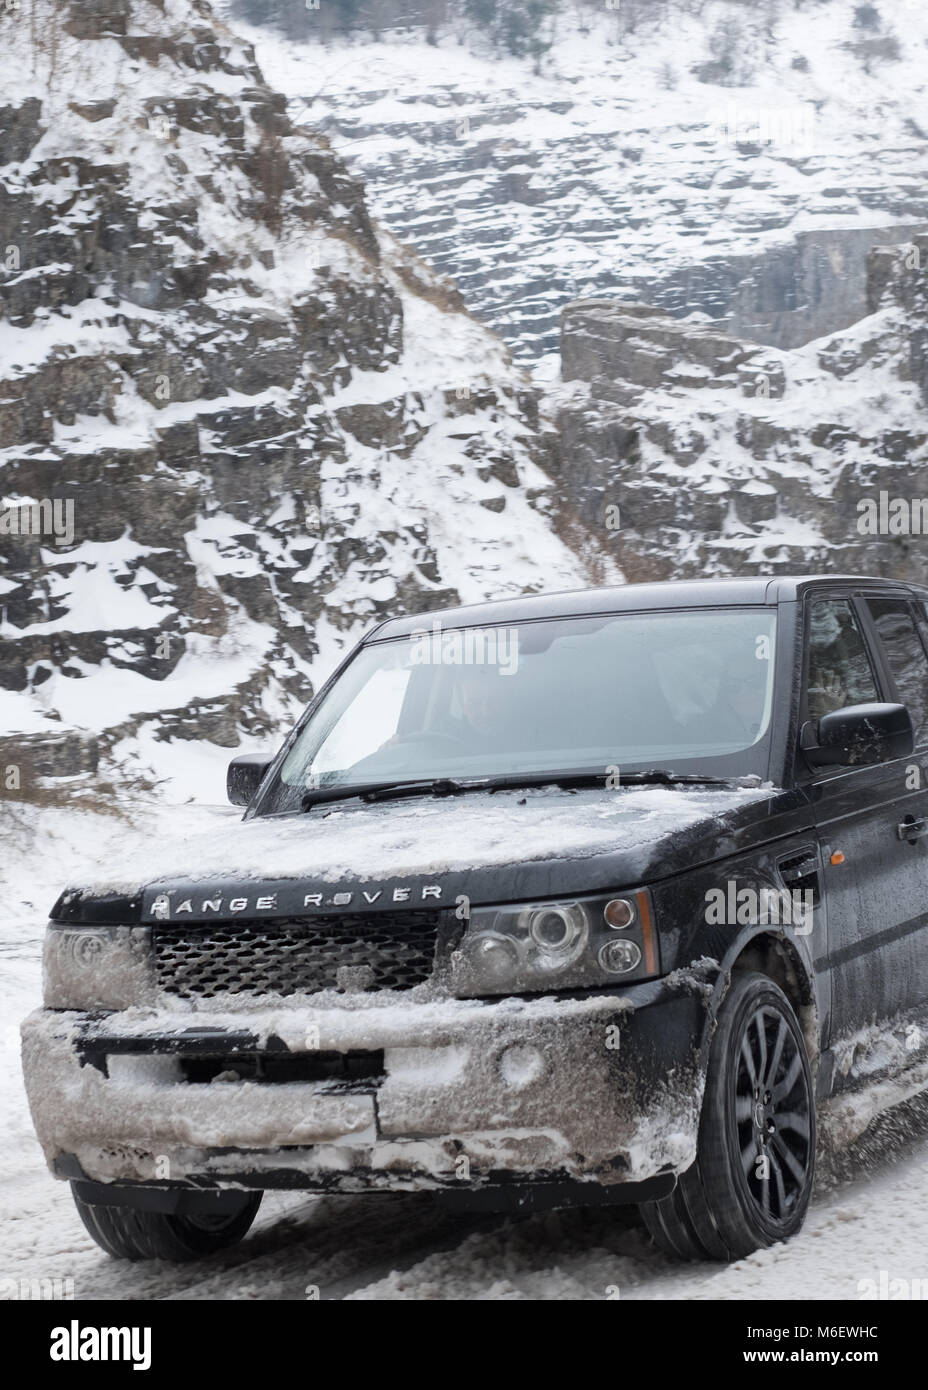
(647,933)
(837,857)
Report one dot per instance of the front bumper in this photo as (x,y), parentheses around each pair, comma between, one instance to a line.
(367,1092)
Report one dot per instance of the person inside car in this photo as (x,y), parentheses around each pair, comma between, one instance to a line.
(732,698)
(476,694)
(470,723)
(827,691)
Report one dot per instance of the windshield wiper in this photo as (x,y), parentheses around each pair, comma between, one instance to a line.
(380,791)
(654,776)
(447,786)
(437,786)
(660,777)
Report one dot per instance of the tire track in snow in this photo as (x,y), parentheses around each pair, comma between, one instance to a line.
(869,1213)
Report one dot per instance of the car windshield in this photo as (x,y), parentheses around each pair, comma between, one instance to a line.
(683,691)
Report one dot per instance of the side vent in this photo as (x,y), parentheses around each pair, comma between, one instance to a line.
(799,873)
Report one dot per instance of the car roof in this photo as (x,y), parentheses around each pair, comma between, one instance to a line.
(747,591)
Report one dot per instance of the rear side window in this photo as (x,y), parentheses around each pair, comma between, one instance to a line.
(905,656)
(839,671)
(921,618)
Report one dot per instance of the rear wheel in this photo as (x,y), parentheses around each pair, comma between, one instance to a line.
(755,1159)
(131,1234)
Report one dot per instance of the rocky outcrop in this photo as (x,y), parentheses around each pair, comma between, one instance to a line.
(273,425)
(693,452)
(615,171)
(639,346)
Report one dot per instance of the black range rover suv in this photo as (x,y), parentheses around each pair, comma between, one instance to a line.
(597,896)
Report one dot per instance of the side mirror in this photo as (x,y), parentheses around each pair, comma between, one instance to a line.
(858,735)
(244,775)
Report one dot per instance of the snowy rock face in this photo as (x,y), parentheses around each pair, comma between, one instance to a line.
(705,224)
(701,453)
(271,424)
(737,161)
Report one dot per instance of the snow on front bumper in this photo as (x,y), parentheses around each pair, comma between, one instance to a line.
(602,1088)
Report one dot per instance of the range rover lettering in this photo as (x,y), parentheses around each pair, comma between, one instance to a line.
(574,898)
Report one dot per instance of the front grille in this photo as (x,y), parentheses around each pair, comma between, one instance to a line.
(295,955)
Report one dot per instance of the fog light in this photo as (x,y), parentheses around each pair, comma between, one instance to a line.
(97,968)
(85,948)
(618,957)
(619,913)
(521,1065)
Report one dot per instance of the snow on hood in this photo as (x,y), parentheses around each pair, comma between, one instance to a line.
(430,837)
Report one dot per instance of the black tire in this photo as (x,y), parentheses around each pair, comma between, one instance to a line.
(130,1234)
(759,1104)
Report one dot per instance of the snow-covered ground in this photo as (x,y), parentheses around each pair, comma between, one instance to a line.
(869,1215)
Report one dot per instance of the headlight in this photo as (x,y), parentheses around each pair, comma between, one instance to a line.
(558,932)
(620,957)
(97,967)
(558,945)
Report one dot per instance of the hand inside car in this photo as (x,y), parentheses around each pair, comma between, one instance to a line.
(827,692)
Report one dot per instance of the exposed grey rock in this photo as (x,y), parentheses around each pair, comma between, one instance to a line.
(94,110)
(900,277)
(635,344)
(773,487)
(43,756)
(94,19)
(20,130)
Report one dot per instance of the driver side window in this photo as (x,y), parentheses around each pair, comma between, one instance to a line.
(838,671)
(905,654)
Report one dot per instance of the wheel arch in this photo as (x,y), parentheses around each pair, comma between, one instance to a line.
(772,954)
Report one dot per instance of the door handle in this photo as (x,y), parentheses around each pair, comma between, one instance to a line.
(912,829)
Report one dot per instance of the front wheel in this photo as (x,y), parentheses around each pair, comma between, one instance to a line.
(131,1234)
(755,1158)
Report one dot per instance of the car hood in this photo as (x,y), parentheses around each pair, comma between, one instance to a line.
(491,847)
